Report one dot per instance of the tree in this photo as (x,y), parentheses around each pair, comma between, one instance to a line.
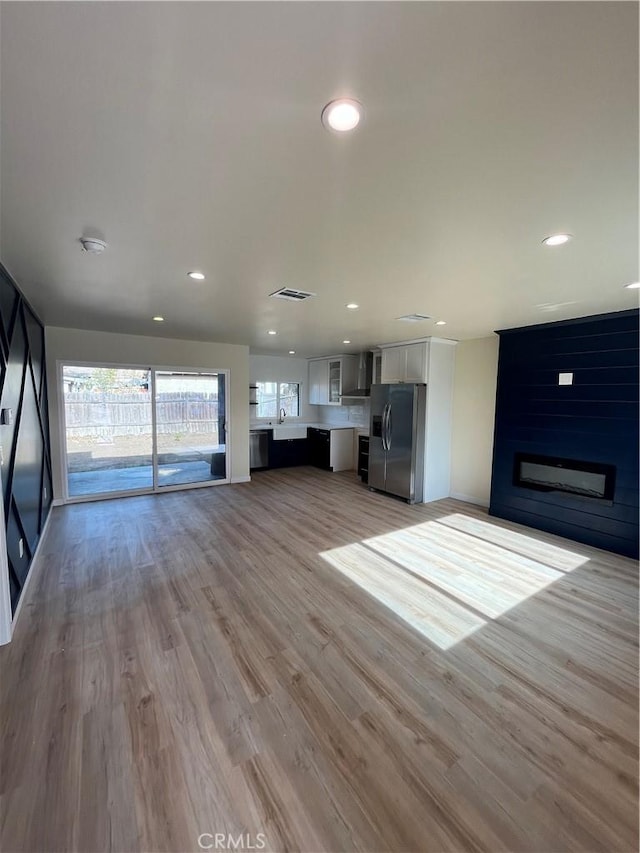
(106,379)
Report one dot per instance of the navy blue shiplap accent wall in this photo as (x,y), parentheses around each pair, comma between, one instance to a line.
(26,466)
(595,420)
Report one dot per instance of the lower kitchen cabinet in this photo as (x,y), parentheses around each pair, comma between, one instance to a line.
(363,458)
(319,447)
(331,449)
(288,452)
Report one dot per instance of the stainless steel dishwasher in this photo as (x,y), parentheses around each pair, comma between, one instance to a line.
(259,448)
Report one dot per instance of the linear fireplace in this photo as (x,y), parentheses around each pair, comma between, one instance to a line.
(554,474)
(595,418)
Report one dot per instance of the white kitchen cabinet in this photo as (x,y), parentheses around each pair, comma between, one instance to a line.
(394,365)
(319,382)
(335,380)
(405,362)
(416,366)
(330,377)
(377,368)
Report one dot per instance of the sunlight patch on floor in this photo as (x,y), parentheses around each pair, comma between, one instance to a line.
(434,615)
(442,577)
(550,555)
(484,576)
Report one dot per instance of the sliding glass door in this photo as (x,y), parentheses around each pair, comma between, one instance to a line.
(190,427)
(131,430)
(109,438)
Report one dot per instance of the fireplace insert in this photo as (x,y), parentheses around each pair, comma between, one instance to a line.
(573,476)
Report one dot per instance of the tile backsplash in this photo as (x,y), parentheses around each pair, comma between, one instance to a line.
(358,416)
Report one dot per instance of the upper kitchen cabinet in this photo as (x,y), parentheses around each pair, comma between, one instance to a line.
(319,382)
(407,362)
(376,378)
(329,377)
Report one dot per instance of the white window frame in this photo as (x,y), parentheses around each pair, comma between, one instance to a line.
(278,383)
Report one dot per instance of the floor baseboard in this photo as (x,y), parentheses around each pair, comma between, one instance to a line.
(469,499)
(32,570)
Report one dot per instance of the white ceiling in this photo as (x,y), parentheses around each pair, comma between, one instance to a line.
(189,135)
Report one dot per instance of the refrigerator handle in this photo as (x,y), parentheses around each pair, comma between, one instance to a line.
(385,416)
(389,430)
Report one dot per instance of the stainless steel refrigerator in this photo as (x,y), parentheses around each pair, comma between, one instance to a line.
(396,440)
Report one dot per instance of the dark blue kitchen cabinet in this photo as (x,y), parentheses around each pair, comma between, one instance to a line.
(319,448)
(288,452)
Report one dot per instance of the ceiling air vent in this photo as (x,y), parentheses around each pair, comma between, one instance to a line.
(291,294)
(414,318)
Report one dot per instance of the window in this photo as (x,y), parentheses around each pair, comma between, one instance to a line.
(273,396)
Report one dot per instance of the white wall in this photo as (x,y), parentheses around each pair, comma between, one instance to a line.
(277,368)
(474,398)
(438,450)
(75,345)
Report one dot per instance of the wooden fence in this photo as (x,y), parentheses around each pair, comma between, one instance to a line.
(90,413)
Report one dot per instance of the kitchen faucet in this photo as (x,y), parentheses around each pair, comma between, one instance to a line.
(281,416)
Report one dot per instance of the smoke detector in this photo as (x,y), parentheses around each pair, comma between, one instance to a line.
(93,245)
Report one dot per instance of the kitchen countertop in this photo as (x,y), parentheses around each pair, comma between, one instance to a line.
(296,425)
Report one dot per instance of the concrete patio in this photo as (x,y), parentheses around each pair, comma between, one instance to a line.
(140,477)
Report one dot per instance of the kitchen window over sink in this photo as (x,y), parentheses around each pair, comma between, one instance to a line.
(273,396)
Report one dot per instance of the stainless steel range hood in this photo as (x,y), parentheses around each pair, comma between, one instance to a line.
(365,374)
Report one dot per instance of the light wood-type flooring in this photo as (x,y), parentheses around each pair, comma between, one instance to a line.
(299,664)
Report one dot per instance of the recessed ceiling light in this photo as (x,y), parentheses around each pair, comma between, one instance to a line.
(272,332)
(292,352)
(199,276)
(159,319)
(557,239)
(342,115)
(352,306)
(441,322)
(346,342)
(633,286)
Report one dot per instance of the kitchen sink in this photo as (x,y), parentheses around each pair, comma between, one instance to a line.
(284,432)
